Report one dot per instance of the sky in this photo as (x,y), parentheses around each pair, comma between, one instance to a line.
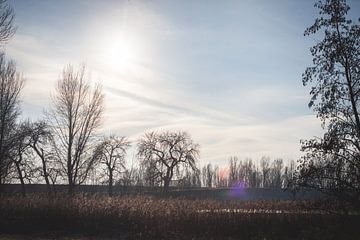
(227,72)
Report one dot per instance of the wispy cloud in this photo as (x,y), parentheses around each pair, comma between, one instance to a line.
(209,69)
(194,111)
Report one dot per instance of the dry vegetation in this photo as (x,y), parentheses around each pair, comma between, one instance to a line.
(144,217)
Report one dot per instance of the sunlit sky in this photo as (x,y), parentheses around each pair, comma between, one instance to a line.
(228,72)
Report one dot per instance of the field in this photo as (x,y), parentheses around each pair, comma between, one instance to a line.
(145,217)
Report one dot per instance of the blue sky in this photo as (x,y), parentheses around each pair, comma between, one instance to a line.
(228,72)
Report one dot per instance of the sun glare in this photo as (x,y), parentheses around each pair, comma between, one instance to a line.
(121,51)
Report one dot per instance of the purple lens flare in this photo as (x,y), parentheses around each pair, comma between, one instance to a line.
(238,189)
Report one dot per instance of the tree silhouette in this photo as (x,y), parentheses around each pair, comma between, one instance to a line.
(74,118)
(207,175)
(111,152)
(40,140)
(332,163)
(24,165)
(164,154)
(7,16)
(11,84)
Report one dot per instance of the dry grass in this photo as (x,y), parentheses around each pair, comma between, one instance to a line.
(141,217)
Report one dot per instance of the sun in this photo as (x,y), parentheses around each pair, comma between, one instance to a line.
(121,50)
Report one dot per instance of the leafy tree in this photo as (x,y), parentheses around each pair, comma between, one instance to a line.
(331,163)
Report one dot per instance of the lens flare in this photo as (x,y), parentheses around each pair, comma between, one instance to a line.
(238,190)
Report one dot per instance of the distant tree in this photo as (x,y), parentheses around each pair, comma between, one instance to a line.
(74,118)
(203,177)
(189,178)
(233,171)
(265,171)
(221,177)
(150,175)
(111,152)
(276,173)
(216,178)
(128,177)
(195,179)
(166,153)
(289,172)
(332,163)
(11,84)
(7,16)
(208,175)
(137,176)
(248,173)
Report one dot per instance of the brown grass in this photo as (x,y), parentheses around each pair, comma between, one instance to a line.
(141,217)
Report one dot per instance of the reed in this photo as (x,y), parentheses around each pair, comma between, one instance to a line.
(144,217)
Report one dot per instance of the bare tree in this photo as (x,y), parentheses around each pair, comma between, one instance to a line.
(166,153)
(208,175)
(276,173)
(233,171)
(7,16)
(217,178)
(128,177)
(40,140)
(75,116)
(265,171)
(289,174)
(248,172)
(111,152)
(137,176)
(11,84)
(190,178)
(150,174)
(24,166)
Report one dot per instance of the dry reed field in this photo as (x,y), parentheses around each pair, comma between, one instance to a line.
(143,217)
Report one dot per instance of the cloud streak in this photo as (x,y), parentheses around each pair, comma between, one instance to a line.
(200,112)
(232,82)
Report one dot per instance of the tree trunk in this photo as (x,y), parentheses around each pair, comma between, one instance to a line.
(46,176)
(71,187)
(21,178)
(110,183)
(166,184)
(167,179)
(41,154)
(69,157)
(2,160)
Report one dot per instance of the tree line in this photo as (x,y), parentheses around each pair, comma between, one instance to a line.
(67,147)
(268,174)
(64,147)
